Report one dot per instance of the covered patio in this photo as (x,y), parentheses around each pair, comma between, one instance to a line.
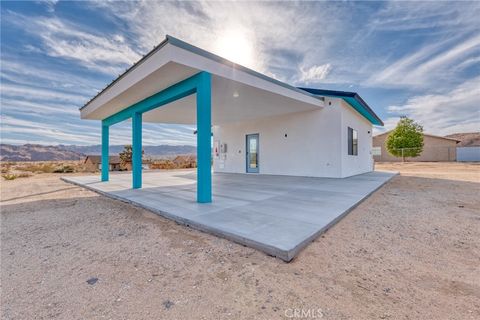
(177,83)
(278,215)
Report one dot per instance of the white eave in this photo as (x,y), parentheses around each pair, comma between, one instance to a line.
(238,93)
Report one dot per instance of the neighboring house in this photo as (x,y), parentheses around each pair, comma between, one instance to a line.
(92,163)
(127,166)
(435,148)
(260,125)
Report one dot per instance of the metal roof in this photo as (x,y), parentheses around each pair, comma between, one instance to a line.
(353,99)
(186,46)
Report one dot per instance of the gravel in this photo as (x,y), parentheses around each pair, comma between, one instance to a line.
(410,251)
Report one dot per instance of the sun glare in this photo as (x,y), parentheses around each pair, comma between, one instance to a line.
(236,47)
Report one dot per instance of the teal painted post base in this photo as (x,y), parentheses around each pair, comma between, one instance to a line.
(137,150)
(105,160)
(204,134)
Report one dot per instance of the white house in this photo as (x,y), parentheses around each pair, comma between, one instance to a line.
(332,141)
(260,125)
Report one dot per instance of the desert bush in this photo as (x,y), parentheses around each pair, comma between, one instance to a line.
(9,176)
(162,164)
(37,168)
(68,169)
(64,169)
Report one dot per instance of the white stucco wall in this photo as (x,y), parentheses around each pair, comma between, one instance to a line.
(363,162)
(315,146)
(316,143)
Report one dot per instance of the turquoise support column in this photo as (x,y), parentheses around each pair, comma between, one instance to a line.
(105,141)
(204,134)
(137,150)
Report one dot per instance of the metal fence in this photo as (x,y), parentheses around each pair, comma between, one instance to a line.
(465,154)
(429,153)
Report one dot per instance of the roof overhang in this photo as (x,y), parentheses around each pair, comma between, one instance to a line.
(425,134)
(238,93)
(353,99)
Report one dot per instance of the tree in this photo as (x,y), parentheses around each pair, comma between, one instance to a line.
(126,155)
(406,140)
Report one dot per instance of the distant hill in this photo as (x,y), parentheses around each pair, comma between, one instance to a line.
(35,152)
(161,150)
(468,139)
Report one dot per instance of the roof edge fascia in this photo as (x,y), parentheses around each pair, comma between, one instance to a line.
(196,50)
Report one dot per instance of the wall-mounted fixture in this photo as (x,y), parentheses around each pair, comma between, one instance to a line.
(223,148)
(235,94)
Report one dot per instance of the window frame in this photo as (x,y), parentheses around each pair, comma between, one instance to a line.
(352,141)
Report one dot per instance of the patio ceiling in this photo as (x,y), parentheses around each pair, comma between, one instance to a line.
(238,93)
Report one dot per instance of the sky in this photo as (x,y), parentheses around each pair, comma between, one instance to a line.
(415,59)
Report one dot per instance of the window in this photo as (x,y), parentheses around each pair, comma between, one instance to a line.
(352,142)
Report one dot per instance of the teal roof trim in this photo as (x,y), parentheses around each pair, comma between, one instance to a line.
(353,99)
(360,109)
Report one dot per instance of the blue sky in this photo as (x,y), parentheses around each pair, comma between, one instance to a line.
(420,59)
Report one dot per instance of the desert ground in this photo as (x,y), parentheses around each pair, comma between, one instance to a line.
(410,251)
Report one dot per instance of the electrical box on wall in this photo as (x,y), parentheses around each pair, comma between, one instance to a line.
(223,148)
(216,148)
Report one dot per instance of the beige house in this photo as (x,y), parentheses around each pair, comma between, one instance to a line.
(92,163)
(435,148)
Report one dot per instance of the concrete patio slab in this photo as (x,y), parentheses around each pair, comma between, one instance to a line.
(279,215)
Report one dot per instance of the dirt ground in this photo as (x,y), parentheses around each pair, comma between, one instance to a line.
(410,251)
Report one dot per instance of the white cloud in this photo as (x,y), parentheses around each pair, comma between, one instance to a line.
(97,52)
(50,4)
(28,107)
(266,26)
(31,74)
(294,42)
(439,16)
(445,113)
(60,38)
(432,65)
(315,73)
(37,93)
(389,124)
(41,130)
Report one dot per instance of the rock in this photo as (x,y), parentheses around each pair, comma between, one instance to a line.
(92,281)
(168,304)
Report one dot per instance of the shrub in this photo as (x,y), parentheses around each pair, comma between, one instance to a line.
(64,169)
(40,168)
(9,176)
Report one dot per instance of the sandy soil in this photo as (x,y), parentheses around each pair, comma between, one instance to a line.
(410,251)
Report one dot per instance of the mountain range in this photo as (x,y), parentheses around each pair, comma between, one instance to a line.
(36,152)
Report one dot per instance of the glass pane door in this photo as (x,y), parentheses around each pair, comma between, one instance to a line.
(252,153)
